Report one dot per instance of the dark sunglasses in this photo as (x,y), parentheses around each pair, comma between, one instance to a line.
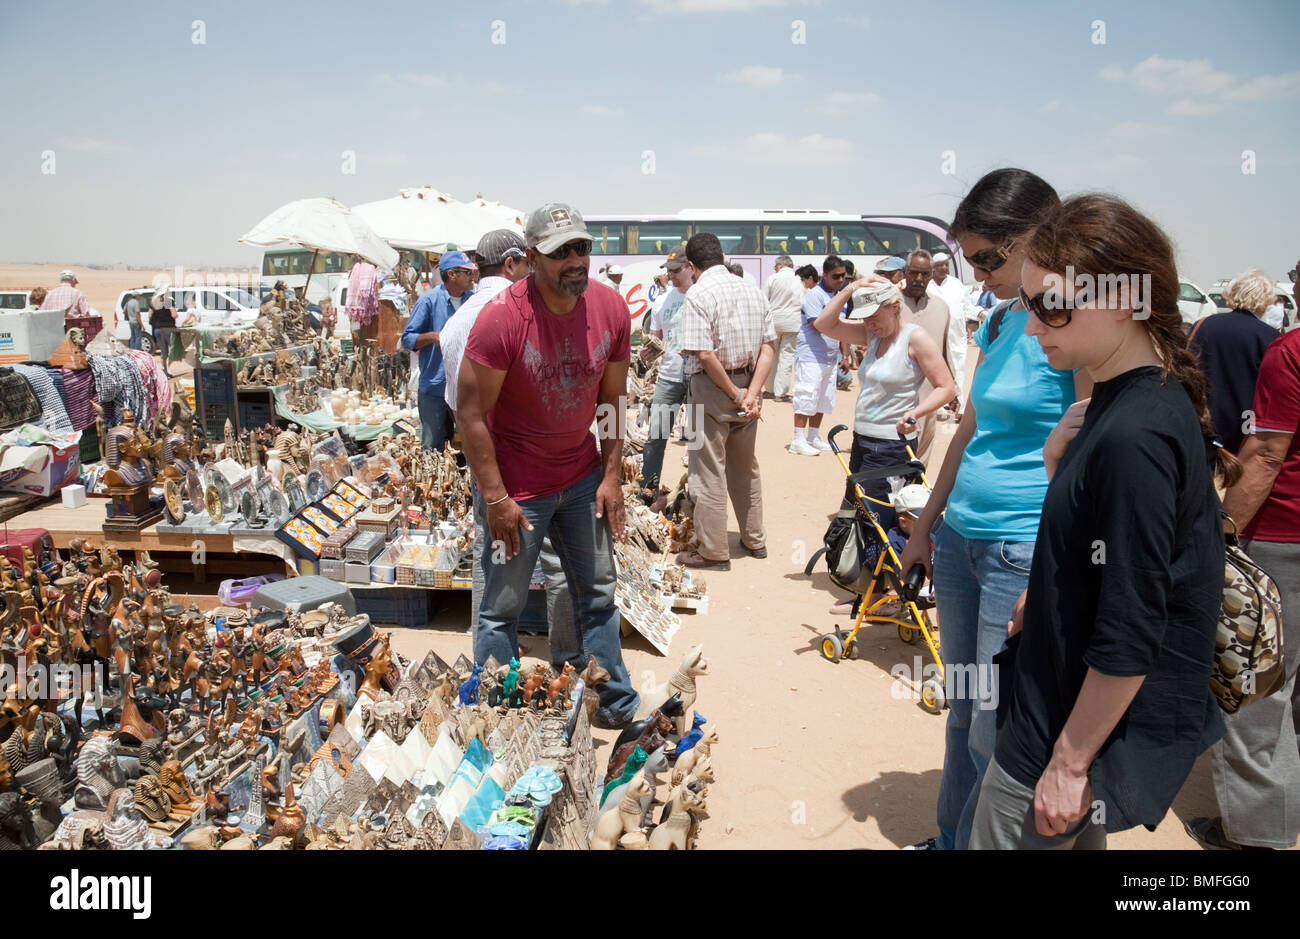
(990,259)
(1052,309)
(580,248)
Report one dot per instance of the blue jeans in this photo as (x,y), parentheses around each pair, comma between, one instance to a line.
(586,553)
(137,336)
(976,585)
(433,421)
(558,617)
(669,396)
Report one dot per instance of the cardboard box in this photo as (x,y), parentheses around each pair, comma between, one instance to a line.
(59,467)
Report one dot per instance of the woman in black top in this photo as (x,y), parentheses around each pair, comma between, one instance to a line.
(1106,702)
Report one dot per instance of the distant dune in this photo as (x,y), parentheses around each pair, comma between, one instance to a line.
(101,286)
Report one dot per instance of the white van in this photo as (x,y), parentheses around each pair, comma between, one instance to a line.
(214,306)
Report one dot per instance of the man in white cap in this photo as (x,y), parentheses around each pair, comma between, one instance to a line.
(546,356)
(954,293)
(67,297)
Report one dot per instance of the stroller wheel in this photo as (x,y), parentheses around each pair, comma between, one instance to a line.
(908,633)
(933,698)
(832,647)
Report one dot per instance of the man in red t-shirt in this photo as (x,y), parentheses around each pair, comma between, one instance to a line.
(1257,763)
(546,357)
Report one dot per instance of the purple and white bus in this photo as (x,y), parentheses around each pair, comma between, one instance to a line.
(755,238)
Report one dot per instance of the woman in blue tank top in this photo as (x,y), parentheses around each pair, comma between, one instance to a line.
(992,484)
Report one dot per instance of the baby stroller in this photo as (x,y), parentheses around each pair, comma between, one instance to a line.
(862,560)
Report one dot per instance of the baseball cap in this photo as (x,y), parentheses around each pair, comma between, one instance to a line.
(67,275)
(911,500)
(451,259)
(613,270)
(867,300)
(497,245)
(894,263)
(939,257)
(677,256)
(554,224)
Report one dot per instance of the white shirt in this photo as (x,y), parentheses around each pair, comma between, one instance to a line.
(1275,315)
(953,292)
(455,334)
(785,293)
(666,317)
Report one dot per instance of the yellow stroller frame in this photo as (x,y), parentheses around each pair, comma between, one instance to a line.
(838,645)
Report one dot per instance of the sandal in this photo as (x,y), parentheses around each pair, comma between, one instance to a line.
(697,560)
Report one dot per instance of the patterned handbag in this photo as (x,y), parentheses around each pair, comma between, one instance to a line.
(18,403)
(1248,647)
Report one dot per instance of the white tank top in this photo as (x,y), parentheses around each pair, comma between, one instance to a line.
(891,386)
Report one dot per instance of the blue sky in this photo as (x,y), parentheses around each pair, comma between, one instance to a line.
(166,151)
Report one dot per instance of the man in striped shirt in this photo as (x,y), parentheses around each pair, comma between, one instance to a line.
(728,344)
(67,297)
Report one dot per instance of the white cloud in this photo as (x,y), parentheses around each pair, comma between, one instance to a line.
(1200,88)
(1267,86)
(91,145)
(814,149)
(678,7)
(1050,106)
(1192,107)
(1121,163)
(1128,130)
(846,102)
(492,88)
(758,76)
(601,110)
(417,79)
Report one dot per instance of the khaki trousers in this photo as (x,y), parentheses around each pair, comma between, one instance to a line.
(722,464)
(925,442)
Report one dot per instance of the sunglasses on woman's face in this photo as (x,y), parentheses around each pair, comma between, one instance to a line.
(990,259)
(580,248)
(1052,309)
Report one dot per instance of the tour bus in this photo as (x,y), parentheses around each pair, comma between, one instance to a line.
(755,238)
(330,273)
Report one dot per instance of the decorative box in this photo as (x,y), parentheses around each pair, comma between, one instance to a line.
(302,535)
(351,493)
(321,519)
(364,548)
(333,546)
(334,569)
(357,573)
(385,520)
(338,507)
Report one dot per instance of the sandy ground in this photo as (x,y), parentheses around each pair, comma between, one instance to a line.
(811,754)
(102,288)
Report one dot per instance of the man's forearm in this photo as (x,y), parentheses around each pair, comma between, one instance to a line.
(766,355)
(611,447)
(1258,473)
(482,456)
(425,339)
(717,374)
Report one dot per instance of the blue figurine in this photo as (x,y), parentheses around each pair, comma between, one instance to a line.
(469,687)
(692,738)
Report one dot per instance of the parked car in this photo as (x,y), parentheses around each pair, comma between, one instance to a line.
(14,299)
(1193,303)
(215,305)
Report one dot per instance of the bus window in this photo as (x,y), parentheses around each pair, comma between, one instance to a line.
(869,237)
(794,238)
(331,263)
(656,237)
(736,237)
(607,237)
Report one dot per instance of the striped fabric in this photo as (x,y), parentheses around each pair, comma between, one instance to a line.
(54,416)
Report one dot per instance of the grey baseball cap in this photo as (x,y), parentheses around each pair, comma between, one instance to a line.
(867,300)
(554,224)
(499,244)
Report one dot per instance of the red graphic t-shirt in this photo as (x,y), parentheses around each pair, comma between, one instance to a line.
(1277,408)
(541,424)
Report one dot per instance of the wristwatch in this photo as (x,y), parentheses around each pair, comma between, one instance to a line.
(740,395)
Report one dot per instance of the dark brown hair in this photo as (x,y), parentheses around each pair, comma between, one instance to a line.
(1100,234)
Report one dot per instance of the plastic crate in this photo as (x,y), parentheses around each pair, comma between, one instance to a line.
(91,324)
(396,606)
(301,594)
